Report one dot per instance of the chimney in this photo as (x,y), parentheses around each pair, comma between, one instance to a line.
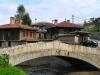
(55,21)
(65,19)
(11,20)
(20,21)
(68,21)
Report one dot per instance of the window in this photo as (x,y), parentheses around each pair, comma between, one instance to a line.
(0,44)
(39,36)
(61,31)
(1,35)
(9,44)
(31,34)
(23,33)
(26,33)
(41,28)
(34,35)
(8,33)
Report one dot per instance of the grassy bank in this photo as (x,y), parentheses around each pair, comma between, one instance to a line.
(11,70)
(92,30)
(8,69)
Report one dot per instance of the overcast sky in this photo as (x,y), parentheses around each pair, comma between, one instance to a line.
(48,10)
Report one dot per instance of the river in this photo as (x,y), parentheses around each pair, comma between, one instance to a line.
(55,70)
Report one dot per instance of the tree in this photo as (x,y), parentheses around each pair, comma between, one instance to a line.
(26,19)
(21,14)
(21,10)
(97,23)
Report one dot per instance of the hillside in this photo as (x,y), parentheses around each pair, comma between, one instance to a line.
(92,30)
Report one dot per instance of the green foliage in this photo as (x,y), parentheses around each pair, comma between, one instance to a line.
(10,70)
(4,60)
(21,10)
(21,14)
(97,23)
(26,19)
(92,30)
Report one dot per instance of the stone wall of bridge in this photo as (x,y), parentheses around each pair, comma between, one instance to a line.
(21,53)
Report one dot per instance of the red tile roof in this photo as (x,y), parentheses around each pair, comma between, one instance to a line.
(67,24)
(16,25)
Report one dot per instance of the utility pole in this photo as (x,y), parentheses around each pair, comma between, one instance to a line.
(35,20)
(72,18)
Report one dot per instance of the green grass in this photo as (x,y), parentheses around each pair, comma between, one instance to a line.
(11,70)
(92,30)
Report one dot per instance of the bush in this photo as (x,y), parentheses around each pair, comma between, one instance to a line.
(8,69)
(4,60)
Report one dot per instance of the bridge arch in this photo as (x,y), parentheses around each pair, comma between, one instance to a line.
(26,52)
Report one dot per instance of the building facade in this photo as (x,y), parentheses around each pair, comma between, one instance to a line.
(66,31)
(41,33)
(16,34)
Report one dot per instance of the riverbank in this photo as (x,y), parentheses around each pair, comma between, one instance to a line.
(11,70)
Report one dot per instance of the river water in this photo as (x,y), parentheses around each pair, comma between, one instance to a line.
(55,70)
(39,73)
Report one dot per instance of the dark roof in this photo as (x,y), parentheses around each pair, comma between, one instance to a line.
(67,24)
(41,24)
(16,25)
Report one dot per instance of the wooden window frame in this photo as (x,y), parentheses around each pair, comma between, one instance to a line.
(31,34)
(23,32)
(27,33)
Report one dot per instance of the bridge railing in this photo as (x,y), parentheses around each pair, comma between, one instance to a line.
(54,45)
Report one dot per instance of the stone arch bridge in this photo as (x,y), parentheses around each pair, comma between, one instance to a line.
(22,53)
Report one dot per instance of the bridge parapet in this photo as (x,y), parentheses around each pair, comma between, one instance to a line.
(55,45)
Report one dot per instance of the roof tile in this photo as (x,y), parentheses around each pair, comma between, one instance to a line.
(16,25)
(67,24)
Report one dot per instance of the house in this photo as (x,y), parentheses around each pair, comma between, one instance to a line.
(41,33)
(67,32)
(16,34)
(89,25)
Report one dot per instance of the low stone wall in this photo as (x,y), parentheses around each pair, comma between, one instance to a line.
(66,39)
(95,36)
(4,44)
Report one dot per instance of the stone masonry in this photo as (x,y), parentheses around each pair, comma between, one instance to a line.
(21,53)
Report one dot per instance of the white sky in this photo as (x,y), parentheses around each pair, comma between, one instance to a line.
(48,10)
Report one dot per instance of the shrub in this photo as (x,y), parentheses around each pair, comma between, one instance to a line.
(8,69)
(4,60)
